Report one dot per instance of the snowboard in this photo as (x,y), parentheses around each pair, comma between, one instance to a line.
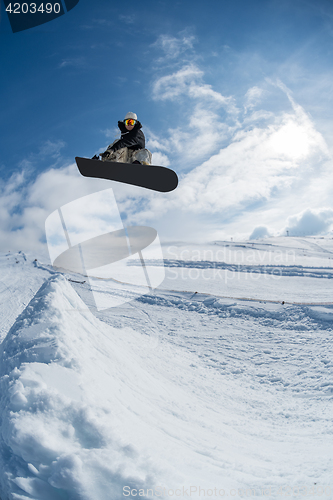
(147,176)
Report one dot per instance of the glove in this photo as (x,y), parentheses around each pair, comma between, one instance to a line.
(105,154)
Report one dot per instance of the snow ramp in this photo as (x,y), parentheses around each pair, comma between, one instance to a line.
(90,412)
(68,385)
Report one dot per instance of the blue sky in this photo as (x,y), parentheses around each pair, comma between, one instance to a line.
(236,96)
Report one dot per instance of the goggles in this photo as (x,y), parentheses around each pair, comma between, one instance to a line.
(130,122)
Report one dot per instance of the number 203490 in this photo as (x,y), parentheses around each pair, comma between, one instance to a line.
(33,8)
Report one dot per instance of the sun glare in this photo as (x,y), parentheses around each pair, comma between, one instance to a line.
(291,140)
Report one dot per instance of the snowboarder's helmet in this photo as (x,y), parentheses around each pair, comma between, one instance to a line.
(131,115)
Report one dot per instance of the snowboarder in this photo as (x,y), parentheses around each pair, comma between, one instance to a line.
(118,161)
(130,148)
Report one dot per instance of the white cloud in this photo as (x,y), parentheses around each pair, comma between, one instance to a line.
(172,86)
(204,133)
(205,91)
(253,165)
(205,125)
(259,233)
(24,205)
(160,159)
(74,62)
(310,222)
(155,142)
(51,149)
(239,171)
(252,98)
(188,81)
(256,164)
(173,47)
(273,164)
(129,19)
(263,175)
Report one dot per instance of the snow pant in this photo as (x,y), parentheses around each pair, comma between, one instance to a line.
(126,155)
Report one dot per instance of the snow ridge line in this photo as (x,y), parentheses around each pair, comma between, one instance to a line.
(197,294)
(53,271)
(209,304)
(277,270)
(248,299)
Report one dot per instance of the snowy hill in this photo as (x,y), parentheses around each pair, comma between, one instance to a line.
(217,384)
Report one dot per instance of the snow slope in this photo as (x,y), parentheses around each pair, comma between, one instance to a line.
(207,387)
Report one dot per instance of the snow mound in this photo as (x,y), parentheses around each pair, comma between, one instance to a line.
(59,435)
(322,313)
(90,411)
(209,392)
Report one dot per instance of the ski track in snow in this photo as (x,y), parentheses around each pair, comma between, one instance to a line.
(183,387)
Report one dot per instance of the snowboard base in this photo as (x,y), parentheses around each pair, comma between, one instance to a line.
(153,177)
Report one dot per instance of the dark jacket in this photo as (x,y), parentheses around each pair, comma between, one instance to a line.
(133,139)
